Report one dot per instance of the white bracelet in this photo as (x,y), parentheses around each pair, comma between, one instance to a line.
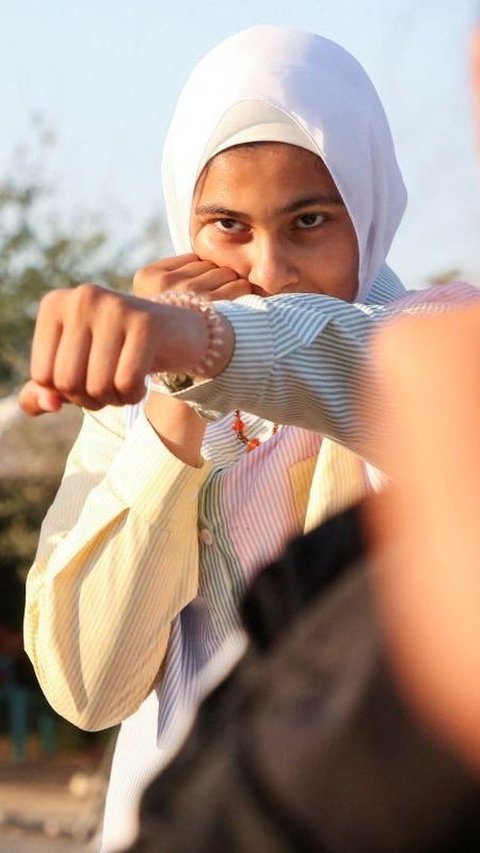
(216,336)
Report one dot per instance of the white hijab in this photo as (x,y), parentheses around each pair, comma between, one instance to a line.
(281,85)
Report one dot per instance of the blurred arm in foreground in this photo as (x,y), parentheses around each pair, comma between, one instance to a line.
(361,661)
(429,584)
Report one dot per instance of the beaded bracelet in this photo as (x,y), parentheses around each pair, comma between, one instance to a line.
(216,337)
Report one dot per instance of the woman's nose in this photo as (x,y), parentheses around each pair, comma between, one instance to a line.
(271,267)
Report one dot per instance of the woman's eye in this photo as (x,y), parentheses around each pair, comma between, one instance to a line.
(228,225)
(310,220)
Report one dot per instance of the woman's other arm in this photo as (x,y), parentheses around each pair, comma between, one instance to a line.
(305,359)
(117,560)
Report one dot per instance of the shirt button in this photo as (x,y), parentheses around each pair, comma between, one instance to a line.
(206,536)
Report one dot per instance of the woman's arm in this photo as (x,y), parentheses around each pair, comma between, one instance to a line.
(117,560)
(305,359)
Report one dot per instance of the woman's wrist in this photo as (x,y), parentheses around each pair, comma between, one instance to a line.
(216,348)
(178,426)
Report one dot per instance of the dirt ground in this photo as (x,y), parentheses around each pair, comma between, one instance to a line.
(52,805)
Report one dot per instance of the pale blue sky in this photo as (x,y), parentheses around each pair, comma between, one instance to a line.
(105,73)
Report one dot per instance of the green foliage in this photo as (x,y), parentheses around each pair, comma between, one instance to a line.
(40,251)
(23,504)
(446,276)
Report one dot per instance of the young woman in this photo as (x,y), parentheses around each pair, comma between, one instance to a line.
(283,195)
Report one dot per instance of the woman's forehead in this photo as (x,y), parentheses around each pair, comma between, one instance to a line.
(260,160)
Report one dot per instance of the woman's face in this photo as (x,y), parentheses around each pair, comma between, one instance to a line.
(271,212)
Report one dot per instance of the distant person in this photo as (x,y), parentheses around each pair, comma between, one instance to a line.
(283,196)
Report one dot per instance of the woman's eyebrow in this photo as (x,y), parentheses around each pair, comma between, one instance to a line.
(326,199)
(218,210)
(321,198)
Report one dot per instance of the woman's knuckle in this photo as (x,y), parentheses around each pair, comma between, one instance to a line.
(67,386)
(139,279)
(88,292)
(51,301)
(98,389)
(41,374)
(150,280)
(130,385)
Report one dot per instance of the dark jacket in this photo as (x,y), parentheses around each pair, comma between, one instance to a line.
(308,747)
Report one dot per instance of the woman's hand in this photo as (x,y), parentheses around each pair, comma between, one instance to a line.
(189,273)
(93,347)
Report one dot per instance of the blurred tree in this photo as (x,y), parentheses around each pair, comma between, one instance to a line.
(40,251)
(446,276)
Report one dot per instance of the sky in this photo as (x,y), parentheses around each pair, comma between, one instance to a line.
(103,76)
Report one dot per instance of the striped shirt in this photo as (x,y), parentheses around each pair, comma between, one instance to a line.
(143,560)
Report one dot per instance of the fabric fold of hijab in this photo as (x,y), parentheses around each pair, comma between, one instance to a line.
(281,85)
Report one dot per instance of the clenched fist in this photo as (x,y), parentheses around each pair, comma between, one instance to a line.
(94,347)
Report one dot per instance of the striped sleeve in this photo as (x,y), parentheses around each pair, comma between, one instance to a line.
(304,359)
(117,560)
